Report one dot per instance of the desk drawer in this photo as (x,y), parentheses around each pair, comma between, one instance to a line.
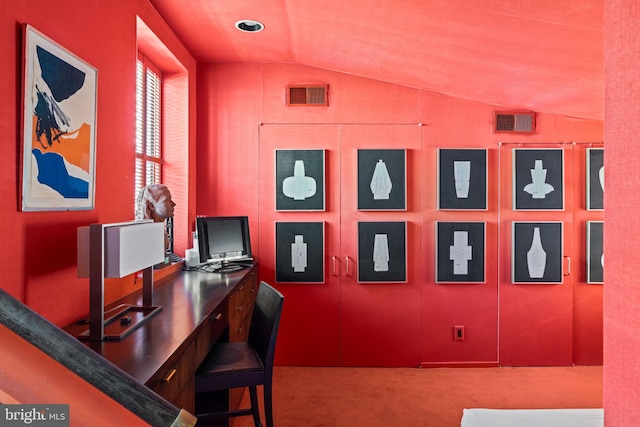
(178,383)
(241,305)
(213,330)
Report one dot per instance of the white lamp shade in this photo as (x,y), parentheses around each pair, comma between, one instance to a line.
(128,247)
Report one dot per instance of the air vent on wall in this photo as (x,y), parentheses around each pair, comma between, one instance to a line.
(521,122)
(307,95)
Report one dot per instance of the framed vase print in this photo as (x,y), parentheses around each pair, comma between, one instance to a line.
(300,252)
(462,179)
(300,180)
(382,252)
(460,252)
(538,179)
(537,249)
(595,179)
(595,252)
(382,179)
(59,127)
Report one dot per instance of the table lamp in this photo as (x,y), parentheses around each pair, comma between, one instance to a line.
(116,250)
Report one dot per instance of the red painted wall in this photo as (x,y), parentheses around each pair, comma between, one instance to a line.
(38,261)
(622,161)
(240,101)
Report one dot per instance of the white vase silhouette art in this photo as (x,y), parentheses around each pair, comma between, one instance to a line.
(601,176)
(460,253)
(381,184)
(299,254)
(380,253)
(536,256)
(462,175)
(538,188)
(299,186)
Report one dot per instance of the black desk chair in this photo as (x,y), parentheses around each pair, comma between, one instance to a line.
(246,364)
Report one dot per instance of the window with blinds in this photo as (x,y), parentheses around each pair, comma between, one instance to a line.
(148,124)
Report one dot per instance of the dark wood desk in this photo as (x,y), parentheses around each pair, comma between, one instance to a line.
(198,309)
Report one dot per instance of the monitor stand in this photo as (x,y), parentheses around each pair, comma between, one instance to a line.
(224,266)
(230,268)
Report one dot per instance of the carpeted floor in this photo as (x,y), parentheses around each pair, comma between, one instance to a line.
(435,397)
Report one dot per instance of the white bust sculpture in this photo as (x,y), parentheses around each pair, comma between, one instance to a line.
(154,202)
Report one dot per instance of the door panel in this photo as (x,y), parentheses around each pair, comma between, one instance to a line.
(341,321)
(446,305)
(536,319)
(380,322)
(309,330)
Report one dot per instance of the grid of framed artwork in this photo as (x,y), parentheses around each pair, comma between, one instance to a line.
(538,185)
(300,186)
(460,246)
(462,185)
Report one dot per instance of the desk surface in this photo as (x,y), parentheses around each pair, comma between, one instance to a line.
(186,300)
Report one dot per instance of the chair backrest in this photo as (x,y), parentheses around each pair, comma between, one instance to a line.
(265,322)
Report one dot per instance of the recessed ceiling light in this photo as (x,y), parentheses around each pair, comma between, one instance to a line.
(249,26)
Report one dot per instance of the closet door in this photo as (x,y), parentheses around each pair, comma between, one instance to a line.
(381,259)
(537,256)
(308,208)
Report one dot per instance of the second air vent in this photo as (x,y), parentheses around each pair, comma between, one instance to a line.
(307,95)
(521,122)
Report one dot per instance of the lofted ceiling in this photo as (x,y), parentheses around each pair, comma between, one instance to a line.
(541,55)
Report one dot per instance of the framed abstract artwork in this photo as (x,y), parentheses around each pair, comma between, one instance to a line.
(595,179)
(537,252)
(382,252)
(300,180)
(460,252)
(538,179)
(462,179)
(300,252)
(59,127)
(382,182)
(595,252)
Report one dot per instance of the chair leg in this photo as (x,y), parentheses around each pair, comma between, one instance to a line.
(268,404)
(255,410)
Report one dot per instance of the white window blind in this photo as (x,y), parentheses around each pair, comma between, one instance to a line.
(148,124)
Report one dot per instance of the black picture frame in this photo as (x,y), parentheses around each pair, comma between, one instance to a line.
(388,239)
(547,193)
(470,255)
(291,186)
(524,267)
(388,168)
(595,252)
(461,188)
(306,240)
(595,179)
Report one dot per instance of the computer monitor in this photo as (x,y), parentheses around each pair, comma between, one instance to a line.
(224,240)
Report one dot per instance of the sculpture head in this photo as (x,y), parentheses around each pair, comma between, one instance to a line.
(154,202)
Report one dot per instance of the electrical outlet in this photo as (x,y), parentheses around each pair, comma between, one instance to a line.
(458,333)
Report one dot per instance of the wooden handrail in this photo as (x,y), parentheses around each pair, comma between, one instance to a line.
(90,366)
